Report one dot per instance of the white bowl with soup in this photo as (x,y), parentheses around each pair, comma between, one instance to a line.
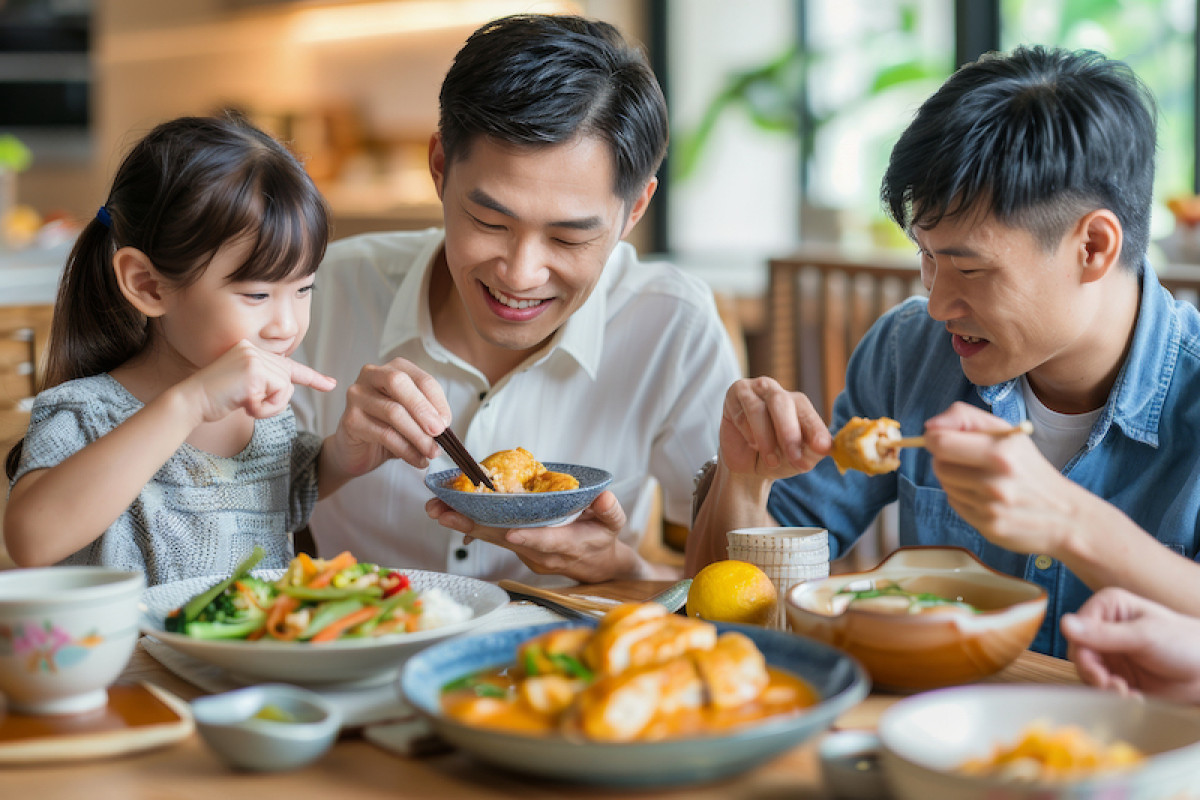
(925,617)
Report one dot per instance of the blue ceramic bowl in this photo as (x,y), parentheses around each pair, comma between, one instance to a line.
(837,678)
(535,510)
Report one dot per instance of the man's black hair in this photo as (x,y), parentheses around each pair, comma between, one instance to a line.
(535,80)
(1038,138)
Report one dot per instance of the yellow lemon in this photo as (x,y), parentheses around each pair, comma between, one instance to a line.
(732,591)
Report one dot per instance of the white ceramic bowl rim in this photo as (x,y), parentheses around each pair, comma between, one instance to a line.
(238,707)
(800,594)
(67,585)
(1061,705)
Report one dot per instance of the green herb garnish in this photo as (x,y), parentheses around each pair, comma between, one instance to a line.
(570,665)
(916,600)
(473,682)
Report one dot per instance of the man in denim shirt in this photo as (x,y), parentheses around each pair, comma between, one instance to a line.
(1026,183)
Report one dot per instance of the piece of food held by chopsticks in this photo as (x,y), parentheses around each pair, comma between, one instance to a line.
(873,445)
(867,445)
(517,472)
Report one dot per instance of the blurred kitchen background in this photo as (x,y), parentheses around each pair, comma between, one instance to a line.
(783,115)
(783,111)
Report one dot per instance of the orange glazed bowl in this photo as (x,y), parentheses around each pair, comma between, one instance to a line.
(940,645)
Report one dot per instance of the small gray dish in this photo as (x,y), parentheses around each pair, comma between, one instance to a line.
(851,767)
(229,725)
(533,510)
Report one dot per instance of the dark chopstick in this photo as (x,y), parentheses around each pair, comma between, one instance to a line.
(459,455)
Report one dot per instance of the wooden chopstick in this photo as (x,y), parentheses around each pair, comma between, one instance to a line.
(1025,427)
(462,459)
(568,600)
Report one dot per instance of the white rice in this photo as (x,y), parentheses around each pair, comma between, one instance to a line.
(439,609)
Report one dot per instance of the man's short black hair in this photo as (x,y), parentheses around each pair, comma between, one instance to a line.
(535,80)
(1037,137)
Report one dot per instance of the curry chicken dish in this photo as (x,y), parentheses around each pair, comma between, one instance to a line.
(641,674)
(866,445)
(517,472)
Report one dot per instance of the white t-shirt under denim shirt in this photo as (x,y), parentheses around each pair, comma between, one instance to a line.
(1057,436)
(633,383)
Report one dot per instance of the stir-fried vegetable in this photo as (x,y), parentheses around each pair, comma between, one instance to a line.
(316,600)
(202,600)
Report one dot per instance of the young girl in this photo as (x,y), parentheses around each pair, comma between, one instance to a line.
(165,442)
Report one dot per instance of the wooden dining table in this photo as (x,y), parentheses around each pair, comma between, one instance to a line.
(356,768)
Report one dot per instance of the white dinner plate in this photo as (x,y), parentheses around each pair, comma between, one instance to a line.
(342,661)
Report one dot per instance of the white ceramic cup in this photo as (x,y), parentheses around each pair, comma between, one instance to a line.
(787,555)
(65,635)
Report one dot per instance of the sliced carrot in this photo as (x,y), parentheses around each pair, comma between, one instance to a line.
(403,623)
(339,626)
(248,593)
(305,562)
(332,567)
(277,617)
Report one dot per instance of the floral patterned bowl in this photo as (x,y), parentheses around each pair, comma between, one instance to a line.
(65,635)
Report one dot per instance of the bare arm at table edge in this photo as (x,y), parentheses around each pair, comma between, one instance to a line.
(726,502)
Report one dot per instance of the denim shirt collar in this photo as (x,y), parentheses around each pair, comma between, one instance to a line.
(1136,400)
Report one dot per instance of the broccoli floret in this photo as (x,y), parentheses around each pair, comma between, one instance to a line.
(232,606)
(264,592)
(221,608)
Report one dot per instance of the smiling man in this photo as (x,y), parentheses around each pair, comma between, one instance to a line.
(526,321)
(1025,182)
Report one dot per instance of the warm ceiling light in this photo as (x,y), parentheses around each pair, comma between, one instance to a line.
(337,23)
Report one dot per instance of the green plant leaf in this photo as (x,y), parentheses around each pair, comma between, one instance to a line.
(769,94)
(905,72)
(14,155)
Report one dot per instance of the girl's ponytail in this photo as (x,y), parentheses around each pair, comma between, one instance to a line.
(189,187)
(94,329)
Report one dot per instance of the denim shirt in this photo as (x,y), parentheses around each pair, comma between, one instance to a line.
(1142,455)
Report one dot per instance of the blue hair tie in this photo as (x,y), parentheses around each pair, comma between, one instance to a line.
(104,217)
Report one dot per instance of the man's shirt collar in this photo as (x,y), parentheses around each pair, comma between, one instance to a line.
(1136,400)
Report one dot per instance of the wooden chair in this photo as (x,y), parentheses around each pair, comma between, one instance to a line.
(1182,280)
(820,304)
(23,334)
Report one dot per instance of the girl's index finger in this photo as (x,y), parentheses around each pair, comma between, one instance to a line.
(304,375)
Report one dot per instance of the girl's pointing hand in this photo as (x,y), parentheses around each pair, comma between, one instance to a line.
(252,379)
(303,375)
